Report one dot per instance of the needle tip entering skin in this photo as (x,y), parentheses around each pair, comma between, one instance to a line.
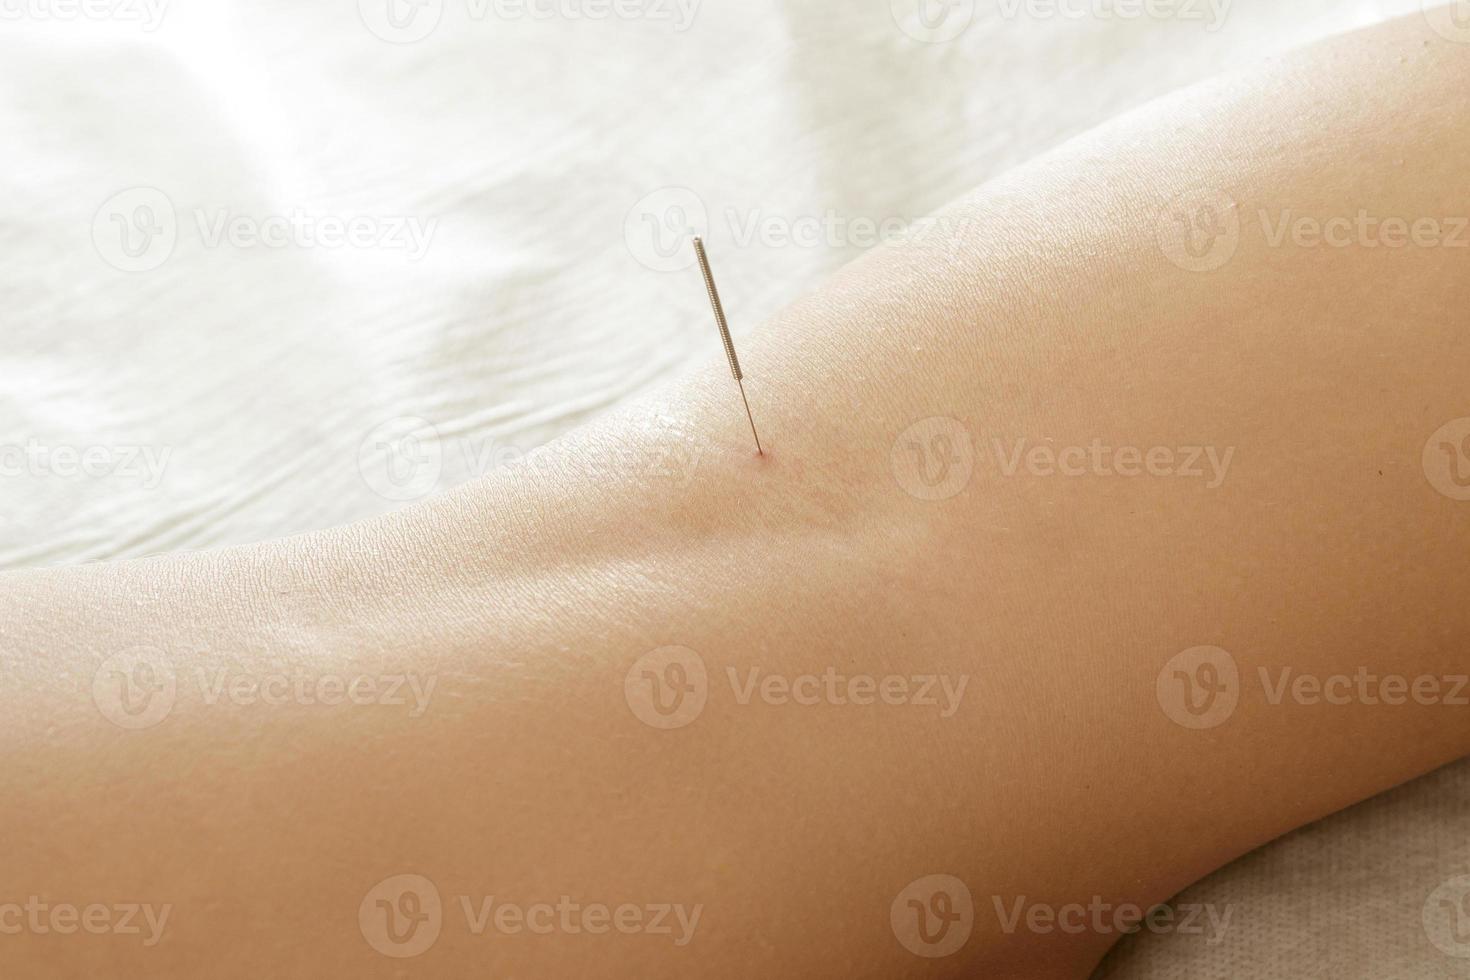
(758,450)
(714,300)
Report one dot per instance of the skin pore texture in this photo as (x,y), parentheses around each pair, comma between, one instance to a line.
(1056,311)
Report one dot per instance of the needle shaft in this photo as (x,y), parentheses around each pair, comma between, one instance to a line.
(714,301)
(759,451)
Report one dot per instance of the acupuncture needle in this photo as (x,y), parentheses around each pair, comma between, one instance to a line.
(714,301)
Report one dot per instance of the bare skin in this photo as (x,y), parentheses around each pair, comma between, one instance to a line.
(1053,315)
